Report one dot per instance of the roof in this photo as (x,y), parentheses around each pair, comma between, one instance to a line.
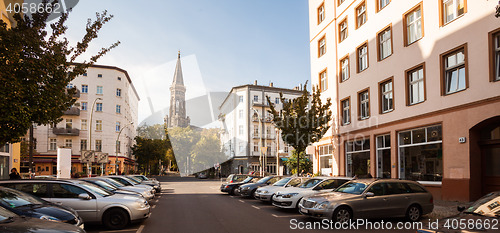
(178,79)
(123,71)
(261,87)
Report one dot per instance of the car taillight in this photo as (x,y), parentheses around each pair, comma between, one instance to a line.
(231,181)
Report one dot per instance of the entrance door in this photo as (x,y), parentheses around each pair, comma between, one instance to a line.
(491,167)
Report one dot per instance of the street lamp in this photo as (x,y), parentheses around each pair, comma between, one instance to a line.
(117,146)
(89,169)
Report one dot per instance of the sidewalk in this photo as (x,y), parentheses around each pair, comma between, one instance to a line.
(443,209)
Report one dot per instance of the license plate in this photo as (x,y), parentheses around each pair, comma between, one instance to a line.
(304,210)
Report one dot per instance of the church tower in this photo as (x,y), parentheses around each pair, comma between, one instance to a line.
(177,114)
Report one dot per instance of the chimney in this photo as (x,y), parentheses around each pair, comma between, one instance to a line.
(271,84)
(255,82)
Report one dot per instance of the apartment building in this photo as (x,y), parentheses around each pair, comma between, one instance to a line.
(416,90)
(110,93)
(249,136)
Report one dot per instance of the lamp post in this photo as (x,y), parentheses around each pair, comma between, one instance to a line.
(260,140)
(117,146)
(89,169)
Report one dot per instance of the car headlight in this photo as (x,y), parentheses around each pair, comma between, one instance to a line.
(265,191)
(50,218)
(322,205)
(288,195)
(142,204)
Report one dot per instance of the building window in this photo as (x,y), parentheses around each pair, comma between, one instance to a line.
(119,78)
(384,43)
(118,109)
(277,100)
(83,144)
(321,13)
(117,126)
(98,145)
(241,99)
(454,70)
(362,57)
(98,125)
(99,90)
(343,30)
(451,9)
(322,46)
(99,75)
(416,85)
(382,3)
(84,124)
(364,104)
(241,147)
(255,98)
(85,88)
(240,114)
(361,14)
(85,74)
(256,131)
(98,107)
(414,25)
(84,106)
(323,81)
(256,147)
(240,130)
(344,72)
(357,157)
(68,143)
(346,111)
(53,144)
(421,154)
(384,156)
(69,123)
(118,92)
(495,55)
(386,96)
(34,143)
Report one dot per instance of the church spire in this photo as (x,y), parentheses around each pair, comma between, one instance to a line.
(178,79)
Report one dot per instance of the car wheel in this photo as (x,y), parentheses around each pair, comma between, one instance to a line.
(413,213)
(271,200)
(231,192)
(297,204)
(115,219)
(252,194)
(342,215)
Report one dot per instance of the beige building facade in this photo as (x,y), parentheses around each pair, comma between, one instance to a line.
(417,91)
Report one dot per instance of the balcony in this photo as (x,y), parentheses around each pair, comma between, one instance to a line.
(77,94)
(66,132)
(73,111)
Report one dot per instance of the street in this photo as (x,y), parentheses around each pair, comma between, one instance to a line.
(189,205)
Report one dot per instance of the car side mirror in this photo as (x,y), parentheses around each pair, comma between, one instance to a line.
(460,208)
(84,196)
(369,194)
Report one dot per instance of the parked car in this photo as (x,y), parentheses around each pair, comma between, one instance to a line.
(92,203)
(145,192)
(156,185)
(290,197)
(28,205)
(13,223)
(370,198)
(111,188)
(202,175)
(232,187)
(145,178)
(266,193)
(248,190)
(483,213)
(130,182)
(234,178)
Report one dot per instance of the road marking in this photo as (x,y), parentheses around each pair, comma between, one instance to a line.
(255,207)
(241,201)
(290,216)
(153,206)
(140,229)
(232,196)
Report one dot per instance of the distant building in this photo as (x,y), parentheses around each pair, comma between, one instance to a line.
(415,87)
(115,109)
(177,114)
(247,126)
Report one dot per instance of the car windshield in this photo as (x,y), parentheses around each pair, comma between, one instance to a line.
(140,177)
(5,215)
(488,205)
(114,182)
(282,182)
(14,199)
(264,180)
(122,181)
(96,189)
(133,178)
(248,179)
(103,185)
(352,188)
(310,183)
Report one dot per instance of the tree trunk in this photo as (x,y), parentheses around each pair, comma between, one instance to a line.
(31,145)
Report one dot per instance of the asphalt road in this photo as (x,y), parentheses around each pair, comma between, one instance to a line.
(189,205)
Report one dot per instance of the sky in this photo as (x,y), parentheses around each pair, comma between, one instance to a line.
(223,43)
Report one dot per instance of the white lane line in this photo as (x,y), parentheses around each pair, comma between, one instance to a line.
(140,229)
(255,207)
(232,196)
(153,206)
(290,216)
(241,201)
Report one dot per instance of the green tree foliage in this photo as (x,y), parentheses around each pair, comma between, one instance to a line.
(498,10)
(156,131)
(36,65)
(305,163)
(303,120)
(149,152)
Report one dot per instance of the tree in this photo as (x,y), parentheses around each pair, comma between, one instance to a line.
(305,163)
(156,131)
(207,151)
(149,152)
(36,65)
(303,120)
(498,10)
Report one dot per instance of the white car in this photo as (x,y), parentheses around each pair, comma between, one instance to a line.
(290,197)
(266,193)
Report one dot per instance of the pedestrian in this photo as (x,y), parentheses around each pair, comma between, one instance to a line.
(14,175)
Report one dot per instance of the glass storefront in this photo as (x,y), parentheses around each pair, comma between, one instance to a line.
(384,156)
(421,154)
(358,158)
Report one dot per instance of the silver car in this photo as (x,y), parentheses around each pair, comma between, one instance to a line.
(131,182)
(92,203)
(370,198)
(266,193)
(145,192)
